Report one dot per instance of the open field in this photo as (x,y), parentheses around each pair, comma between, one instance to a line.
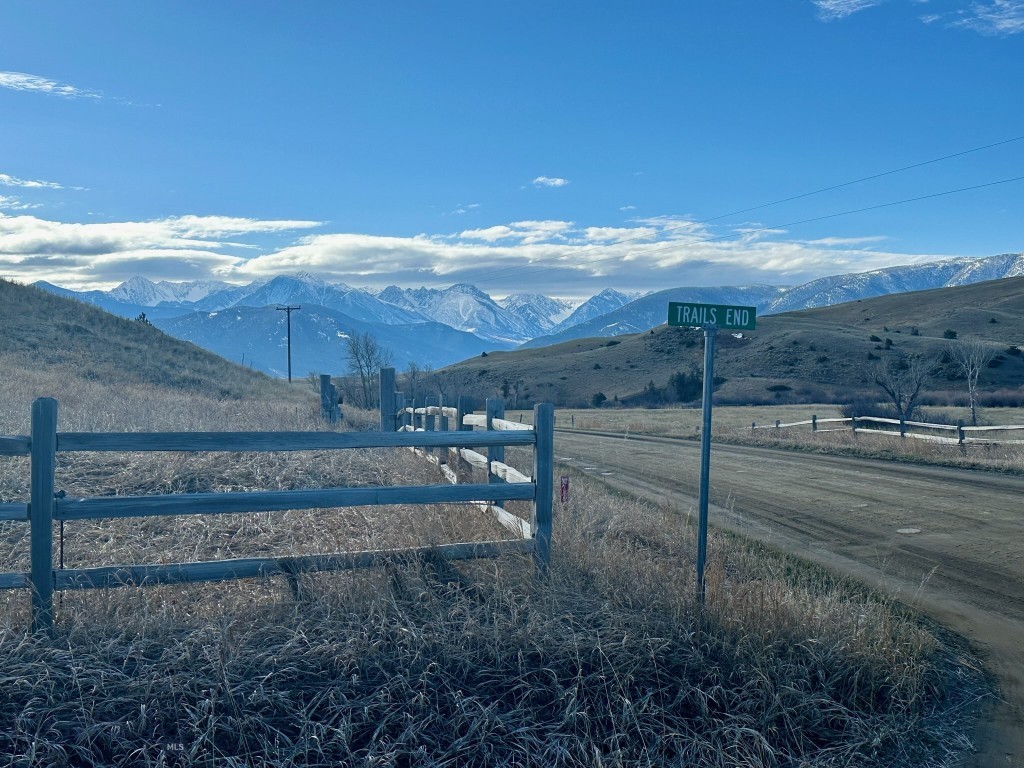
(609,662)
(731,424)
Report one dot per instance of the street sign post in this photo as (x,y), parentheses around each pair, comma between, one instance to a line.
(710,317)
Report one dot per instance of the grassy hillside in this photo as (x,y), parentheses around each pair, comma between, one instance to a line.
(41,331)
(824,354)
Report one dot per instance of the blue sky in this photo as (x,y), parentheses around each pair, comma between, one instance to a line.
(525,147)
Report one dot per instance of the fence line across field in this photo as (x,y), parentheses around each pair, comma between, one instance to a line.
(403,415)
(904,429)
(45,506)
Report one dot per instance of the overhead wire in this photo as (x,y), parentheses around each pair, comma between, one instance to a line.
(515,271)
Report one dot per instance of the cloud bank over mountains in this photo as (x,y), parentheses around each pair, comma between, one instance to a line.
(562,258)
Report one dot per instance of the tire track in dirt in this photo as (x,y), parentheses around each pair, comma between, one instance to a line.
(965,568)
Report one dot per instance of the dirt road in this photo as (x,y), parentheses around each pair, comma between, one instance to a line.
(948,541)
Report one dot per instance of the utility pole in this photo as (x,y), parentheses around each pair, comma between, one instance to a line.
(289,310)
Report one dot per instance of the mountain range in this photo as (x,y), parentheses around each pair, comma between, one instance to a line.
(436,327)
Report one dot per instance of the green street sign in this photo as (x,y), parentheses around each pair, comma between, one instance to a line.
(720,315)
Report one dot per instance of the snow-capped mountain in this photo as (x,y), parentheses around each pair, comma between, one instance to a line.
(412,320)
(464,307)
(652,309)
(146,293)
(917,277)
(541,312)
(606,301)
(257,337)
(305,289)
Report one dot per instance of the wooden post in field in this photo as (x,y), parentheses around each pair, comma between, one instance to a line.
(44,462)
(777,423)
(329,409)
(960,436)
(903,427)
(814,422)
(495,410)
(853,425)
(543,476)
(398,400)
(387,400)
(465,407)
(429,420)
(443,426)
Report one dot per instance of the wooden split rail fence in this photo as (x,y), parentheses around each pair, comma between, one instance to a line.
(45,506)
(903,429)
(402,415)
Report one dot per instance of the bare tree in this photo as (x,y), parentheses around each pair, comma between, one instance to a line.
(417,378)
(365,357)
(970,359)
(902,378)
(451,383)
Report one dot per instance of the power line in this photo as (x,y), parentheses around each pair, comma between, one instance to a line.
(517,270)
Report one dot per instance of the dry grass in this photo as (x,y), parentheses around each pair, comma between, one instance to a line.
(732,425)
(610,662)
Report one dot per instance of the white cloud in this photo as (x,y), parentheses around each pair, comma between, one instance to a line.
(19,81)
(549,256)
(839,9)
(549,181)
(525,231)
(11,203)
(627,208)
(999,18)
(608,234)
(95,254)
(12,181)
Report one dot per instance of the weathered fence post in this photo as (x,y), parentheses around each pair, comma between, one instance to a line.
(753,426)
(443,426)
(777,423)
(853,425)
(398,400)
(903,427)
(329,409)
(429,420)
(543,476)
(814,422)
(465,406)
(960,436)
(44,463)
(495,410)
(387,400)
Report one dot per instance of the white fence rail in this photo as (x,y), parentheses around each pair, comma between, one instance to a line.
(431,417)
(904,429)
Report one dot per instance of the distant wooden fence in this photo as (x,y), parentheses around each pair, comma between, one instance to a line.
(401,414)
(45,506)
(904,428)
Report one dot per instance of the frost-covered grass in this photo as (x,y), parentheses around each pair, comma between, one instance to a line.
(610,661)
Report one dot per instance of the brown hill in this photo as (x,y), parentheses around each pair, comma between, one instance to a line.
(43,332)
(824,354)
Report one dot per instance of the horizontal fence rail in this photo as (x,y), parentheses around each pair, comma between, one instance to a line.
(405,416)
(45,507)
(904,428)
